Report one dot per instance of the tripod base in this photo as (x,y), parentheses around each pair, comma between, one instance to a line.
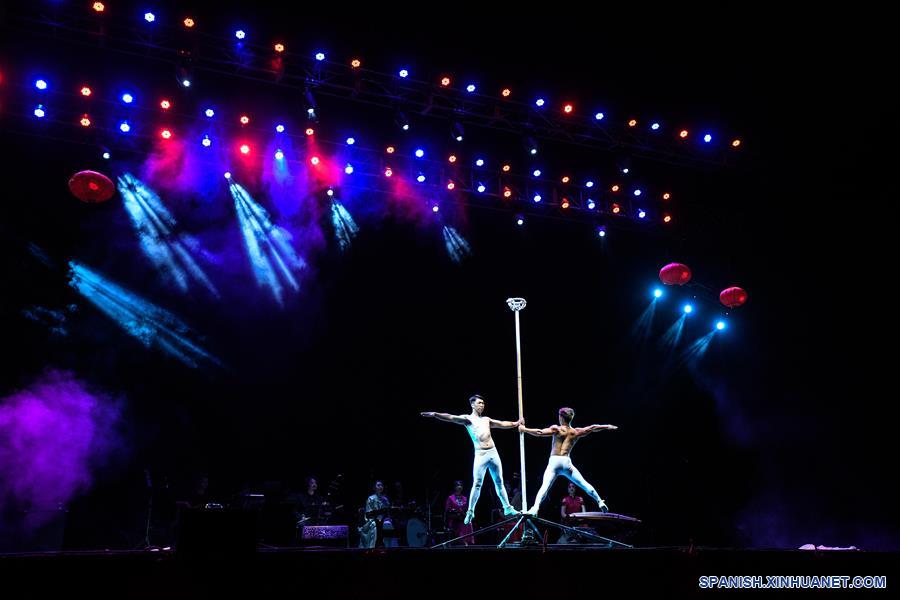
(530,530)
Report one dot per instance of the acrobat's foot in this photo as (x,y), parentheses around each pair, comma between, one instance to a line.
(531,511)
(469,516)
(509,511)
(603,507)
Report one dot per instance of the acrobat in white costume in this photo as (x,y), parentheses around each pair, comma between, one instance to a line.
(486,456)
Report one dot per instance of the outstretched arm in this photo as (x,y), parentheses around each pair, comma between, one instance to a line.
(546,432)
(495,424)
(458,419)
(593,428)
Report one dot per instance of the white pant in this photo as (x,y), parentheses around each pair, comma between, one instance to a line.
(487,460)
(562,465)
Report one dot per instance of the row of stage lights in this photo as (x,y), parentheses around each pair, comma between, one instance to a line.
(445,81)
(688,309)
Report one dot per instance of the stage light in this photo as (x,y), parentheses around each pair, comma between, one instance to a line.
(568,108)
(480,188)
(419,153)
(565,179)
(404,73)
(625,170)
(615,188)
(637,192)
(451,186)
(227,174)
(245,149)
(457,132)
(537,198)
(85,121)
(244,119)
(657,293)
(279,155)
(127,98)
(189,22)
(451,159)
(186,82)
(720,325)
(239,34)
(330,193)
(420,178)
(688,309)
(505,168)
(471,88)
(310,131)
(39,111)
(165,134)
(616,209)
(598,116)
(507,193)
(98,7)
(735,143)
(40,84)
(86,91)
(707,138)
(388,172)
(536,172)
(632,123)
(641,213)
(666,196)
(520,220)
(149,17)
(314,160)
(279,48)
(209,113)
(390,149)
(683,133)
(320,56)
(591,204)
(165,105)
(124,127)
(564,203)
(588,184)
(667,218)
(435,208)
(655,126)
(401,121)
(105,155)
(206,141)
(445,81)
(355,63)
(279,128)
(348,169)
(601,231)
(351,141)
(405,127)
(506,92)
(539,102)
(479,162)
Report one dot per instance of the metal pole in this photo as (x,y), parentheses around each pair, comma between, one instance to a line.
(517,304)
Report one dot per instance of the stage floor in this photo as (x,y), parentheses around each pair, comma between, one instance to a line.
(529,572)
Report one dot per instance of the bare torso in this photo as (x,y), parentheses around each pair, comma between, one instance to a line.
(564,439)
(479,429)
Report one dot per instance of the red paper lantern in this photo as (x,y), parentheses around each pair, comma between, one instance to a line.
(90,186)
(733,297)
(675,274)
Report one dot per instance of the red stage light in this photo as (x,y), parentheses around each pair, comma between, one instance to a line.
(616,209)
(165,134)
(85,121)
(314,160)
(736,143)
(506,92)
(279,48)
(667,219)
(506,168)
(310,131)
(389,149)
(564,203)
(245,149)
(165,105)
(244,119)
(565,179)
(355,63)
(507,193)
(452,158)
(450,185)
(683,133)
(615,188)
(86,91)
(445,81)
(568,108)
(388,172)
(632,122)
(666,196)
(99,7)
(188,22)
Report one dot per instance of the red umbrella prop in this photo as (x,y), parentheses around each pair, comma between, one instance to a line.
(91,186)
(675,274)
(733,297)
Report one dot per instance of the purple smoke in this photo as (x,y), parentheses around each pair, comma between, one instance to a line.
(54,435)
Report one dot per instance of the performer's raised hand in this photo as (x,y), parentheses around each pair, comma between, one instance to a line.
(427,414)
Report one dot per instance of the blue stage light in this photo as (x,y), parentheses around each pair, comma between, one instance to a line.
(655,126)
(279,128)
(40,84)
(420,178)
(601,231)
(186,83)
(210,113)
(707,138)
(520,220)
(127,98)
(351,141)
(239,34)
(588,184)
(657,293)
(419,153)
(641,214)
(479,162)
(637,192)
(470,88)
(481,188)
(591,204)
(124,127)
(149,17)
(320,56)
(227,174)
(39,111)
(105,155)
(206,141)
(598,116)
(537,198)
(279,155)
(404,73)
(720,325)
(348,169)
(435,208)
(688,309)
(536,172)
(539,102)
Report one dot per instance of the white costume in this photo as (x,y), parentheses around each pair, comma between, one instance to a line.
(562,465)
(485,460)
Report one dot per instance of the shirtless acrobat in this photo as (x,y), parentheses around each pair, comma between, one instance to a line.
(564,438)
(486,456)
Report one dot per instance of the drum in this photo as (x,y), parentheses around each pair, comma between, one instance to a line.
(416,533)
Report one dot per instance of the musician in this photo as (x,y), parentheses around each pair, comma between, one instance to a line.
(378,520)
(486,456)
(311,504)
(565,436)
(571,503)
(454,511)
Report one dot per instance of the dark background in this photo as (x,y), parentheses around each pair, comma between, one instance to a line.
(779,437)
